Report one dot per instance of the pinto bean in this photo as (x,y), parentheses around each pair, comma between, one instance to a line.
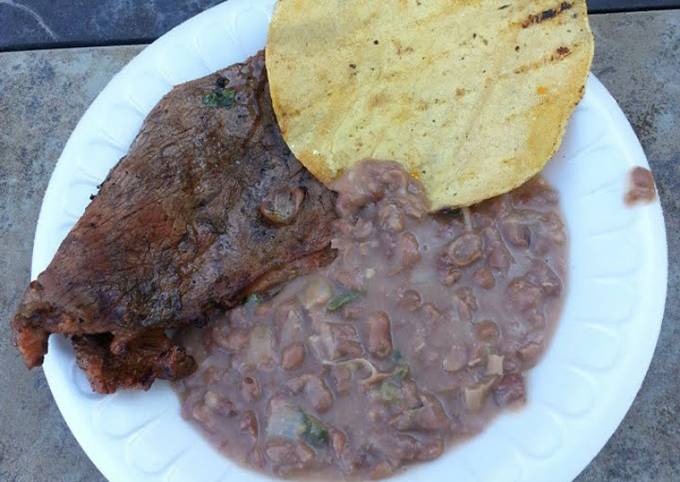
(511,364)
(552,228)
(478,354)
(282,453)
(409,394)
(344,227)
(535,191)
(289,320)
(410,300)
(338,442)
(293,356)
(318,394)
(347,348)
(395,447)
(431,449)
(391,218)
(455,359)
(413,206)
(342,377)
(248,423)
(336,341)
(408,249)
(347,204)
(256,458)
(250,389)
(388,244)
(290,455)
(304,453)
(352,278)
(379,334)
(238,318)
(395,180)
(431,312)
(484,278)
(344,342)
(260,351)
(317,292)
(486,331)
(232,340)
(500,258)
(211,375)
(530,353)
(315,390)
(523,295)
(466,303)
(542,275)
(352,312)
(497,254)
(362,229)
(381,470)
(509,390)
(516,232)
(202,413)
(464,250)
(297,384)
(219,404)
(448,275)
(427,418)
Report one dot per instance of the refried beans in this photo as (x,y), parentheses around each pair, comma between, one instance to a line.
(413,338)
(641,188)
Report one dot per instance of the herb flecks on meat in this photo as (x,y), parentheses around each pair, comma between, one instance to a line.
(173,236)
(220,98)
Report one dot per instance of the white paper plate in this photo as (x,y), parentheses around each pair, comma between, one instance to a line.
(577,395)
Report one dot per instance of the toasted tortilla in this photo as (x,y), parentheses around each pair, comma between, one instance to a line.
(472,96)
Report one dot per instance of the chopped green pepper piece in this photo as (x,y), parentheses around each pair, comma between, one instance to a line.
(389,392)
(401,372)
(315,434)
(220,98)
(254,299)
(389,389)
(341,300)
(397,357)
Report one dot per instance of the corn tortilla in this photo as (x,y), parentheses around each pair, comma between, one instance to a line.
(471,96)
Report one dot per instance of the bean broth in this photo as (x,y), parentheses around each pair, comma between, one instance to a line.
(417,334)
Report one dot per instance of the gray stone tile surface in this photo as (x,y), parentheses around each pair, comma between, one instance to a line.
(28,23)
(42,95)
(25,24)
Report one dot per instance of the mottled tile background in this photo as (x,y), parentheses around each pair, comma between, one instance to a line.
(36,23)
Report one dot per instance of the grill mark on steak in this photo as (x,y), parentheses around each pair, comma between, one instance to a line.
(175,234)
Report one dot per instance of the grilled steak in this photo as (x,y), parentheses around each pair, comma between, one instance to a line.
(208,204)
